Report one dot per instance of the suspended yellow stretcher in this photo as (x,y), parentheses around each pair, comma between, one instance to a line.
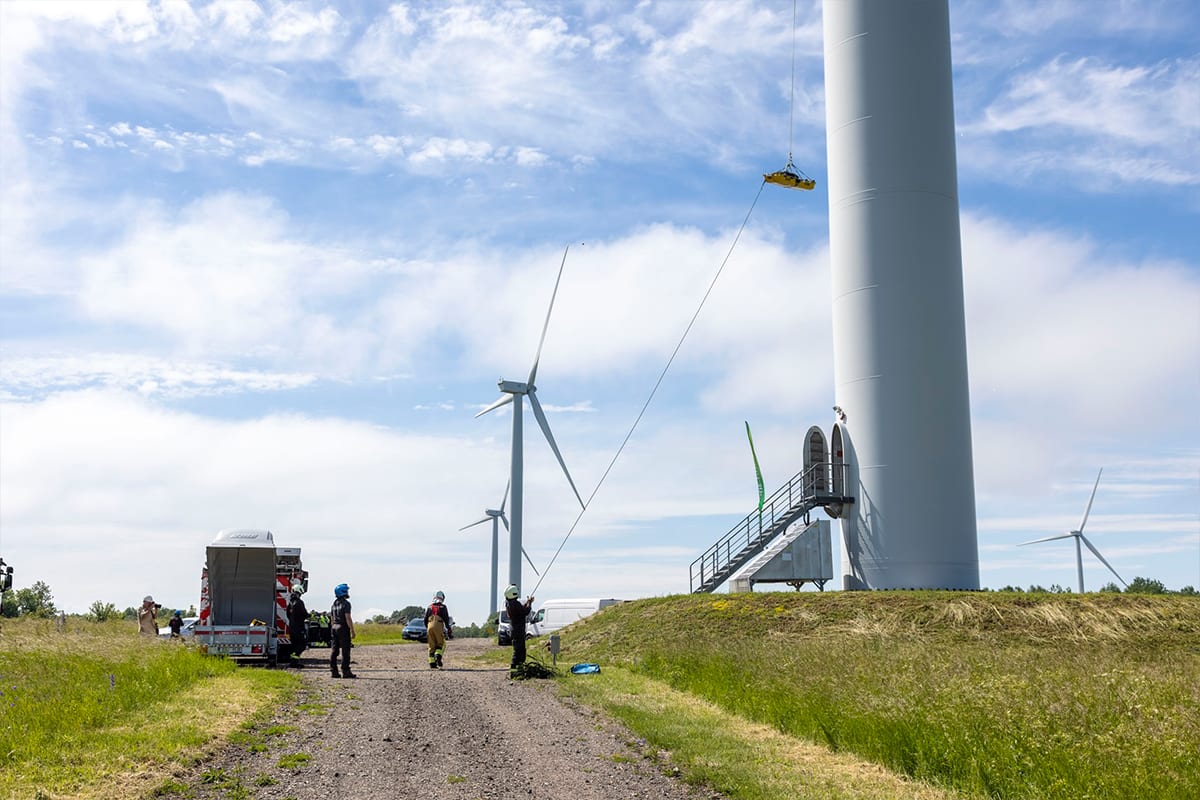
(790,178)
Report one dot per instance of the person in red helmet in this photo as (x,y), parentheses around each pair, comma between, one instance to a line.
(437,629)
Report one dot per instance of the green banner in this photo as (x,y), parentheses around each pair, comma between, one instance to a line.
(762,496)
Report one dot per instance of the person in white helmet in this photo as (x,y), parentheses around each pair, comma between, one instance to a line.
(148,617)
(437,628)
(518,612)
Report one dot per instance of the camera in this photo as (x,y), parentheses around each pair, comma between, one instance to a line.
(157,606)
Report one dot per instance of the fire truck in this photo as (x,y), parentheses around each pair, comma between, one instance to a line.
(245,588)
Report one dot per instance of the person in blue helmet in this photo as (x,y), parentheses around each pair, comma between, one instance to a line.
(341,631)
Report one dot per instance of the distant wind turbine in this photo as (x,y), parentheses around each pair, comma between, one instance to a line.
(513,392)
(494,515)
(1079,537)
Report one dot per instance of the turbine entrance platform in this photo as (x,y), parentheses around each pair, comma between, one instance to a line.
(808,489)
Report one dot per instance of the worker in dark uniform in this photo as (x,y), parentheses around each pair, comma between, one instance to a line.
(341,631)
(297,623)
(437,629)
(518,612)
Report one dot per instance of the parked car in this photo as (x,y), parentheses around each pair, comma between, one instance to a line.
(188,629)
(504,629)
(415,630)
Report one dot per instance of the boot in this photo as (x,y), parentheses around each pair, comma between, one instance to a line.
(349,675)
(439,660)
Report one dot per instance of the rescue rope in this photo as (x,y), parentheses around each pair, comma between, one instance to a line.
(654,391)
(792,100)
(790,177)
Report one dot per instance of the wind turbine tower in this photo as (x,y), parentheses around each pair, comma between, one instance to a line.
(900,361)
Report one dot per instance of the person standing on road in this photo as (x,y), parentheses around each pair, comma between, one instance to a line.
(147,617)
(437,629)
(341,631)
(297,624)
(518,612)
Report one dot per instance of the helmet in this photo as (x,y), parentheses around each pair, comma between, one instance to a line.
(439,596)
(341,590)
(298,589)
(512,591)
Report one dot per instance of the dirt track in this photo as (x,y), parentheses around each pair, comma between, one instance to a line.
(402,730)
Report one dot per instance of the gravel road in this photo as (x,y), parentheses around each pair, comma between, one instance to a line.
(402,730)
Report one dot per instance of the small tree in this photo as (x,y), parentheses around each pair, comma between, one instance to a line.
(103,612)
(1145,586)
(8,605)
(36,601)
(1188,590)
(1110,587)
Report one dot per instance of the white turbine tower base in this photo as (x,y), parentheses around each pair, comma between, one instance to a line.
(1079,537)
(494,515)
(513,392)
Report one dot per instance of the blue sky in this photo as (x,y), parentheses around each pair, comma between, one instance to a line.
(261,264)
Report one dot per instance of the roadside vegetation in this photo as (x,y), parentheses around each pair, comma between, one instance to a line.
(986,695)
(95,711)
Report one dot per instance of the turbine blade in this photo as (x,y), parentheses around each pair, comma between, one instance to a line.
(546,326)
(505,399)
(1047,539)
(473,524)
(1090,499)
(530,560)
(507,486)
(1096,553)
(541,418)
(504,519)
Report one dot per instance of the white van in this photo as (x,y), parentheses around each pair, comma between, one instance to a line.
(555,614)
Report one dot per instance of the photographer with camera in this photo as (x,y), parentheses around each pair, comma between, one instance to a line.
(148,617)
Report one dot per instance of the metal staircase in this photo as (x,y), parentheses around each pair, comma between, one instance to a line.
(807,490)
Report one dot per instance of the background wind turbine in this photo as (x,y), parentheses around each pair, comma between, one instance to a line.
(494,515)
(1079,537)
(513,392)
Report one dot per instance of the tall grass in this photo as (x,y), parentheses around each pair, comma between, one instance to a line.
(993,695)
(96,700)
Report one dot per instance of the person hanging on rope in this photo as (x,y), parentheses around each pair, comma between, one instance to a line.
(437,629)
(518,612)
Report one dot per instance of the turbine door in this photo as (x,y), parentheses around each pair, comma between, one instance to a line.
(837,464)
(816,462)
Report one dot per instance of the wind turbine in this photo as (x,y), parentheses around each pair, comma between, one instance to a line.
(514,392)
(494,515)
(1079,537)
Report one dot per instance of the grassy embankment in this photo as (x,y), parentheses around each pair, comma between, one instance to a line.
(97,711)
(985,695)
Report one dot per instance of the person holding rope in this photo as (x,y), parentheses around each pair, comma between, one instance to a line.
(437,629)
(518,612)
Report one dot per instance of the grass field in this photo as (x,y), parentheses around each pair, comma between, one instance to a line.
(988,694)
(94,710)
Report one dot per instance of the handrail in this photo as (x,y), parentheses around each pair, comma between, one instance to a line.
(798,496)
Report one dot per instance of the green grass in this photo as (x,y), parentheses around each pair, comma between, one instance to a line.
(992,695)
(96,702)
(370,633)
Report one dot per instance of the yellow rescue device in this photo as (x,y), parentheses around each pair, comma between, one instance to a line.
(791,178)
